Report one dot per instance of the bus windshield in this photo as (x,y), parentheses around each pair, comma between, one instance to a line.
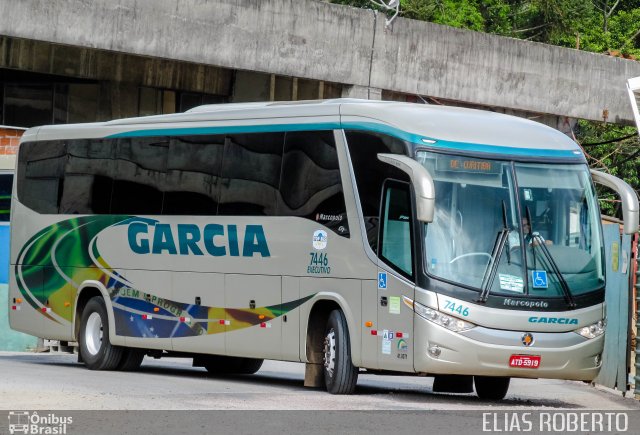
(513,228)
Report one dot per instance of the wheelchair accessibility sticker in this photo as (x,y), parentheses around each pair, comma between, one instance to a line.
(382,280)
(539,279)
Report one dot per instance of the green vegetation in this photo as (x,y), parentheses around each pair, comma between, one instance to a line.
(591,25)
(600,26)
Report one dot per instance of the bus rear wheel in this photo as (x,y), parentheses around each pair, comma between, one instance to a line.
(96,350)
(340,376)
(491,387)
(230,365)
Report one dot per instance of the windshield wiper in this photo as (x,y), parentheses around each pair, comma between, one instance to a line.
(568,297)
(498,246)
(530,234)
(535,237)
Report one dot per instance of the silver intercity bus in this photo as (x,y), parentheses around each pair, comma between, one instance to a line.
(349,235)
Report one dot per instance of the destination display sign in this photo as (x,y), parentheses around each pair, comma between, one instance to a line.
(460,164)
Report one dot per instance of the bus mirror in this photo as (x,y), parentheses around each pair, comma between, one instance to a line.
(421,181)
(630,208)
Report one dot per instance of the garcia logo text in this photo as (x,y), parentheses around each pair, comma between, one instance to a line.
(188,239)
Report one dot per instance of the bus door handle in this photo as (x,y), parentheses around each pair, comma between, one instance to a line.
(383,301)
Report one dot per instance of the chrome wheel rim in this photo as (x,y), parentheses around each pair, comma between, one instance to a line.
(93,333)
(330,352)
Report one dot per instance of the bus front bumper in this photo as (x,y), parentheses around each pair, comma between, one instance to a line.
(486,352)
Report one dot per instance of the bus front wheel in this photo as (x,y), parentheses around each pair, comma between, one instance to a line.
(340,376)
(491,387)
(95,348)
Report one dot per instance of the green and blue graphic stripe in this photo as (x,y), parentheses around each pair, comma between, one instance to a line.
(363,126)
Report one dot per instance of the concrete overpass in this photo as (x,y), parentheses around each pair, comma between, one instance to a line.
(196,43)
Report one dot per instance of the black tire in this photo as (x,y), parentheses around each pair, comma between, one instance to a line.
(491,387)
(99,353)
(230,365)
(340,376)
(131,359)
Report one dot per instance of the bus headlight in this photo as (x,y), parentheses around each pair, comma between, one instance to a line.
(592,331)
(451,323)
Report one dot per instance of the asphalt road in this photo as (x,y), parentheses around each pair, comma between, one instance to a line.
(46,382)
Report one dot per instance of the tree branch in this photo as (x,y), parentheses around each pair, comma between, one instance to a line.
(631,39)
(613,8)
(540,26)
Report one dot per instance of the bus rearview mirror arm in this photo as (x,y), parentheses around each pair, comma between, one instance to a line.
(630,207)
(421,181)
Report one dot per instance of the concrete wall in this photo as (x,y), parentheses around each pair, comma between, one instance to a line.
(316,40)
(435,60)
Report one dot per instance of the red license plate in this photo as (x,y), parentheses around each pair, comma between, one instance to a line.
(525,361)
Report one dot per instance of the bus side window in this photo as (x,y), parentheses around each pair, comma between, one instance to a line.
(396,247)
(370,173)
(88,177)
(140,169)
(193,173)
(250,174)
(310,186)
(41,175)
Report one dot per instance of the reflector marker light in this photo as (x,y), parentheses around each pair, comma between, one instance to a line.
(368,324)
(46,310)
(156,309)
(224,322)
(67,304)
(185,319)
(15,308)
(265,325)
(261,316)
(147,317)
(395,334)
(19,300)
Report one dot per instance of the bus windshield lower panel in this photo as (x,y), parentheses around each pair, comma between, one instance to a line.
(513,229)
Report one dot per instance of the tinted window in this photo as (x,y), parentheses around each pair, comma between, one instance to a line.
(193,170)
(191,175)
(40,172)
(123,176)
(140,167)
(395,243)
(251,174)
(370,173)
(88,178)
(311,185)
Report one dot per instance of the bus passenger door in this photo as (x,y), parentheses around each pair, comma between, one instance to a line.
(395,276)
(253,329)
